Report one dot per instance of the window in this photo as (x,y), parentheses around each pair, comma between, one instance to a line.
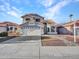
(48,29)
(7,28)
(15,28)
(11,28)
(52,29)
(38,27)
(37,20)
(45,23)
(27,19)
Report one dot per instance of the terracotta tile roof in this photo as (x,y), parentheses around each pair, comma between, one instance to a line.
(4,24)
(11,23)
(31,14)
(71,23)
(50,21)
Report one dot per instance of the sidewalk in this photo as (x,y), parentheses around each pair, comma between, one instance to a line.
(60,52)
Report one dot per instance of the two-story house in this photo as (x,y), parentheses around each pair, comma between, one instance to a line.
(34,24)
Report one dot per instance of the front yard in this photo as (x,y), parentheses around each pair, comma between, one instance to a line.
(71,38)
(58,40)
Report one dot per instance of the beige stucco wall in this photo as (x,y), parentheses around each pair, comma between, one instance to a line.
(69,28)
(32,20)
(2,29)
(15,32)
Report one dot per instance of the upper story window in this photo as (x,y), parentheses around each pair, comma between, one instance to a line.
(11,28)
(37,20)
(27,19)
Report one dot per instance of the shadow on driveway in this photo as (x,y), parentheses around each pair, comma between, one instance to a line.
(22,39)
(2,39)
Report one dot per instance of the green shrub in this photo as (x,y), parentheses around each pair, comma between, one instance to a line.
(3,34)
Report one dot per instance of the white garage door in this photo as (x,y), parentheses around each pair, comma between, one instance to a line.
(31,31)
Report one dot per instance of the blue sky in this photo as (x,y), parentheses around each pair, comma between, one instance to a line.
(57,10)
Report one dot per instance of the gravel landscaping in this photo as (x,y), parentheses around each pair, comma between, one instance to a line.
(52,41)
(71,38)
(59,40)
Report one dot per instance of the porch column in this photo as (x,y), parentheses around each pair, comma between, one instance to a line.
(50,29)
(75,31)
(55,29)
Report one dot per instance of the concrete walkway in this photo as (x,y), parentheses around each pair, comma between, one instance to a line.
(32,49)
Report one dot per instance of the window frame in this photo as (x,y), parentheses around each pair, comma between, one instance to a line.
(37,20)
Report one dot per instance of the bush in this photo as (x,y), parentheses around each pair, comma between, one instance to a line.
(3,34)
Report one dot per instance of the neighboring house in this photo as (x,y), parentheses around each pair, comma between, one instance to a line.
(3,27)
(34,24)
(10,27)
(68,28)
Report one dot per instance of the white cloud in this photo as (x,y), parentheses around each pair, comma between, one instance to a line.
(16,9)
(5,5)
(13,13)
(47,3)
(7,8)
(54,10)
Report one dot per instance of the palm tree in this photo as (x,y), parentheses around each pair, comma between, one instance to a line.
(71,15)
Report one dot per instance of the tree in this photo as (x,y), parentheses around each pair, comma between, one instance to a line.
(71,15)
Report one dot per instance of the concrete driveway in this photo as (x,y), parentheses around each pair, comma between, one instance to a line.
(32,49)
(20,48)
